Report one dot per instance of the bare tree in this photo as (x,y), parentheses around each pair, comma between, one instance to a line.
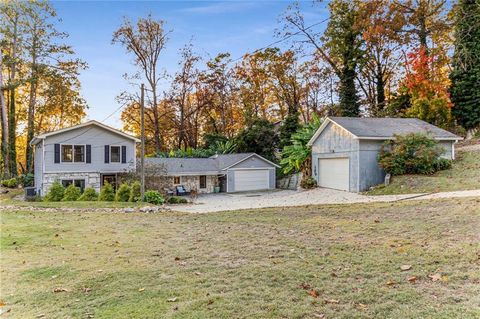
(146,40)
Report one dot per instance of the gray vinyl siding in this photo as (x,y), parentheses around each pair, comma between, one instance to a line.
(96,137)
(335,142)
(38,167)
(253,162)
(371,173)
(447,146)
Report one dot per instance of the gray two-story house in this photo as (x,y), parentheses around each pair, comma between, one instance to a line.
(87,155)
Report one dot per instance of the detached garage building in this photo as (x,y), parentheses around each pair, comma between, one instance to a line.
(231,172)
(345,149)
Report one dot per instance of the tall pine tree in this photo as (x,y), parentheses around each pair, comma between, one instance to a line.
(465,76)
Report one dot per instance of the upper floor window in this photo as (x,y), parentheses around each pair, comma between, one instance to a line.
(115,154)
(73,153)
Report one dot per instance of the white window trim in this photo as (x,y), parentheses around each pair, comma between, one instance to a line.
(73,154)
(119,154)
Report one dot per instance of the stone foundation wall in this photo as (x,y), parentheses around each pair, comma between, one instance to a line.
(91,180)
(159,183)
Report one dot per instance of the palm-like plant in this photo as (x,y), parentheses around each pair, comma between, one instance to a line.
(297,156)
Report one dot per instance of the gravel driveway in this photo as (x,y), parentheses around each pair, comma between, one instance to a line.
(284,198)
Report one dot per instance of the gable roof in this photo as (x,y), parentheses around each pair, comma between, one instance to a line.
(211,165)
(40,137)
(384,128)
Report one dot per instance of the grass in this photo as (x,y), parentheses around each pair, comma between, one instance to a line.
(339,261)
(464,175)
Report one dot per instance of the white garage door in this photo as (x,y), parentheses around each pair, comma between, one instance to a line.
(334,173)
(251,179)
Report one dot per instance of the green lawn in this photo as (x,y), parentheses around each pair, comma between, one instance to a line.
(464,175)
(340,261)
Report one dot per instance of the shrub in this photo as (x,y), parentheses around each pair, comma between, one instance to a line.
(135,194)
(177,200)
(412,154)
(154,197)
(106,193)
(26,180)
(89,194)
(308,183)
(71,193)
(10,183)
(55,192)
(123,193)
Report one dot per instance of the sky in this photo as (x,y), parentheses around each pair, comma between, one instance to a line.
(212,27)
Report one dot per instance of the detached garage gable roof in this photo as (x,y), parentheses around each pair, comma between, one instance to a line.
(384,128)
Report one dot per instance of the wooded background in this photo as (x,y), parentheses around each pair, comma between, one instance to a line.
(413,58)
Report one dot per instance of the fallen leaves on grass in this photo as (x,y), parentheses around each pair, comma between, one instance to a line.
(435,277)
(362,306)
(60,289)
(405,267)
(314,293)
(141,289)
(391,282)
(332,301)
(172,299)
(86,289)
(412,279)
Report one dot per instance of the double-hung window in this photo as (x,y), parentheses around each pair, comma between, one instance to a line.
(115,154)
(73,153)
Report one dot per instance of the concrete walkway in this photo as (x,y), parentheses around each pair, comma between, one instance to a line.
(286,198)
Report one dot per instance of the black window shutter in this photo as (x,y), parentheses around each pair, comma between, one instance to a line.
(57,153)
(88,157)
(124,154)
(107,154)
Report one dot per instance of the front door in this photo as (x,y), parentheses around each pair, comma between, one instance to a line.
(111,179)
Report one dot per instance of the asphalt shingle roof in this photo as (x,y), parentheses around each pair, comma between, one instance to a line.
(388,127)
(212,164)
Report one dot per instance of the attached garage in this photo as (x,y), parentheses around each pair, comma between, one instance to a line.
(334,173)
(251,179)
(248,172)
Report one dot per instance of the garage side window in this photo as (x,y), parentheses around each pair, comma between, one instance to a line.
(203,181)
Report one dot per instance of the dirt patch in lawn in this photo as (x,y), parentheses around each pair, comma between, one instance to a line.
(338,261)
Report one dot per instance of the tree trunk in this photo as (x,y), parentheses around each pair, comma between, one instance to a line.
(380,86)
(31,122)
(12,152)
(156,120)
(4,123)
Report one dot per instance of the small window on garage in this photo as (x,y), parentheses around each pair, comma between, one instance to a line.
(176,180)
(203,181)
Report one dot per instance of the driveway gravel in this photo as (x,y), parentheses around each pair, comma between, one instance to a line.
(286,198)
